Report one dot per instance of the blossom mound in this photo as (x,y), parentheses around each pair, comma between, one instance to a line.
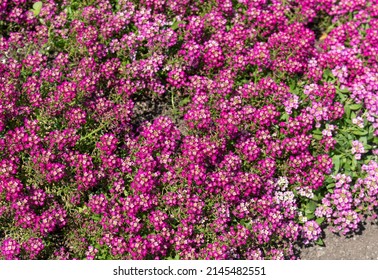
(185,129)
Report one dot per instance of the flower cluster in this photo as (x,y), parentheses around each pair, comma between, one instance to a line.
(185,129)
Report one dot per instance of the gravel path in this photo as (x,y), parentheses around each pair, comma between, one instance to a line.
(363,246)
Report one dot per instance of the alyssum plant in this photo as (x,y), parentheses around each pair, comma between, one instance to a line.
(185,129)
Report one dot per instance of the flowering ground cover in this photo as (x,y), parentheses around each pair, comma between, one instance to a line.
(185,129)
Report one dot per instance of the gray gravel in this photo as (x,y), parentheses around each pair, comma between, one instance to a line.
(362,246)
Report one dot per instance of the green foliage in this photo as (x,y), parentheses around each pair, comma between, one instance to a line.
(37,6)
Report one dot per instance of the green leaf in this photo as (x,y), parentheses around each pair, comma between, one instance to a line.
(328,73)
(184,101)
(310,216)
(37,6)
(310,208)
(336,162)
(355,107)
(320,220)
(96,217)
(284,117)
(175,25)
(347,111)
(347,167)
(353,115)
(82,209)
(292,84)
(320,242)
(371,131)
(175,258)
(354,164)
(359,132)
(344,90)
(330,186)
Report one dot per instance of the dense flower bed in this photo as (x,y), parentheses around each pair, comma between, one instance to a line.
(185,129)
